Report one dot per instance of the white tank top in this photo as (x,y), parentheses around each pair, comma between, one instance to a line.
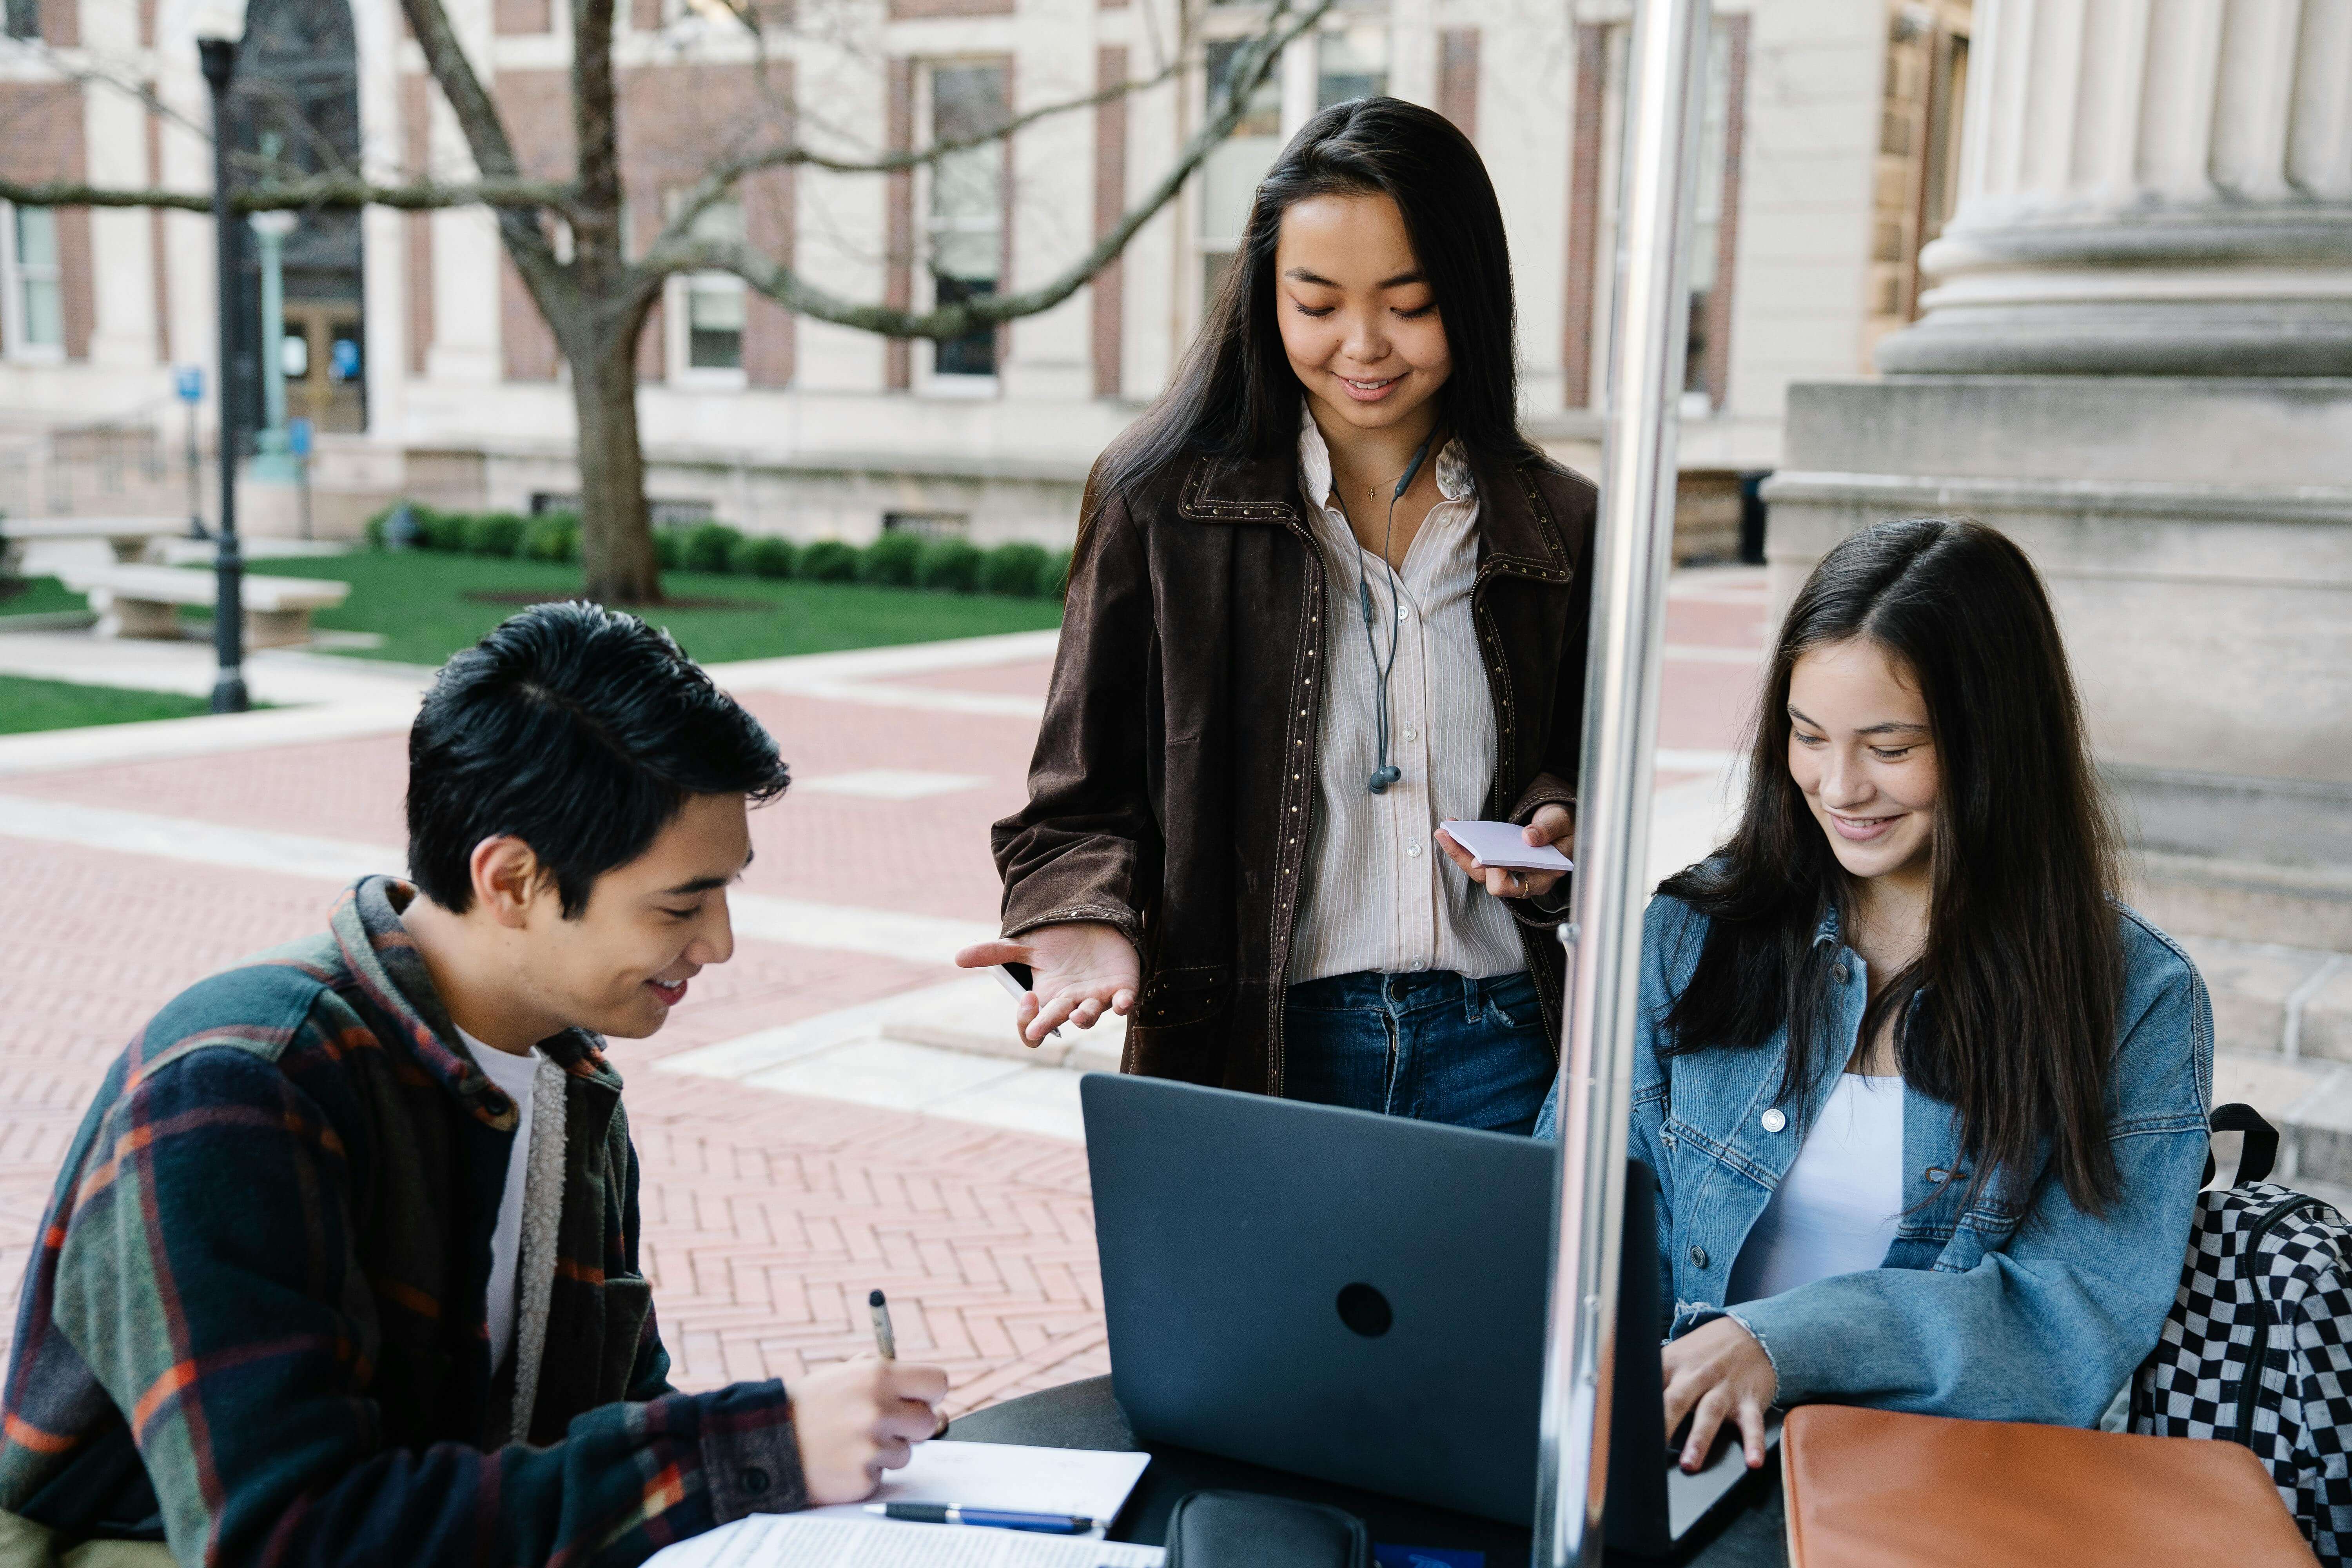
(1837,1209)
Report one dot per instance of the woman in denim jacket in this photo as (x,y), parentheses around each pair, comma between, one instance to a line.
(1925,1103)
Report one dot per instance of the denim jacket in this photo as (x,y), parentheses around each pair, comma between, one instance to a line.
(2000,1312)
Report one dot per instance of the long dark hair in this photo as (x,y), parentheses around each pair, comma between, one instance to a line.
(1235,395)
(2017,988)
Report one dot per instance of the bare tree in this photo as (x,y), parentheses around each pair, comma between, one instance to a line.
(565,237)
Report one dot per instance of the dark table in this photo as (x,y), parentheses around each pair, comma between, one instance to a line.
(1084,1416)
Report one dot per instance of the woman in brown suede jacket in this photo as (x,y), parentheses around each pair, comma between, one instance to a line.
(1333,494)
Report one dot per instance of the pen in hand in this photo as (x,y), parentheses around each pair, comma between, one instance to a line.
(885,1341)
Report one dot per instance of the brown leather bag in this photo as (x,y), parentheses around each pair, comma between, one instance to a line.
(1872,1488)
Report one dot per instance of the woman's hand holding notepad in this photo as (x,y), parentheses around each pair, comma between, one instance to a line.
(1505,844)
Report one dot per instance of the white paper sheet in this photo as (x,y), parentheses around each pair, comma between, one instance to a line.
(1085,1482)
(812,1541)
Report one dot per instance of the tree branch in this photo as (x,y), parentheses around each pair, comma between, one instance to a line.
(782,284)
(477,116)
(714,185)
(313,190)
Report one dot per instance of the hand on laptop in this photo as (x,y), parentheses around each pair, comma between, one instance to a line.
(855,1419)
(1082,969)
(1715,1373)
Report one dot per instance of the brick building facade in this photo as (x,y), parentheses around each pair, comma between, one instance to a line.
(1824,132)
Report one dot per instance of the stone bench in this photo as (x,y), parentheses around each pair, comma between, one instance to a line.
(128,536)
(144,601)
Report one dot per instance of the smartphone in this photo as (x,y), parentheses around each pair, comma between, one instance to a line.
(1020,979)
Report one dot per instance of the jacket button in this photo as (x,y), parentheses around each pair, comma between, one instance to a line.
(1841,974)
(753,1480)
(1698,1257)
(1774,1119)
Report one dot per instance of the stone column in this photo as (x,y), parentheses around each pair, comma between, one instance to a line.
(2137,361)
(2156,187)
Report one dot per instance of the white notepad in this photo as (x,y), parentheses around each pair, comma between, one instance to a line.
(1085,1482)
(815,1541)
(1504,844)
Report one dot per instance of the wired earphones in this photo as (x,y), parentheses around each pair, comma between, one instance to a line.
(1387,773)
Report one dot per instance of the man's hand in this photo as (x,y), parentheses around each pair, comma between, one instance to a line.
(1553,824)
(1718,1371)
(856,1419)
(1081,969)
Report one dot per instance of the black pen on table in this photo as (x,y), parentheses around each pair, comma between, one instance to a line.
(991,1518)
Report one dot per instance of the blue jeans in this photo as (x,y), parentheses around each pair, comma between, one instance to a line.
(1436,1046)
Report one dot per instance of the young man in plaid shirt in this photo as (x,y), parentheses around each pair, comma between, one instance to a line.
(342,1265)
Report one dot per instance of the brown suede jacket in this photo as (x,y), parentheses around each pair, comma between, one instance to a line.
(1173,788)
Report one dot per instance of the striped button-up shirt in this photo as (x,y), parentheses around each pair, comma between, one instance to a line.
(1381,894)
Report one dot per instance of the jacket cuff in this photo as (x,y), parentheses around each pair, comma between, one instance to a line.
(1780,1341)
(1546,789)
(1129,924)
(751,1455)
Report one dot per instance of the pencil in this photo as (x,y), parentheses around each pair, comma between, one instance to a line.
(884,1340)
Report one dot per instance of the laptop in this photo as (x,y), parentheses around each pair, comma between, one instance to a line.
(1361,1298)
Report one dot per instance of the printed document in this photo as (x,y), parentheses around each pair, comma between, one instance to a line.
(811,1540)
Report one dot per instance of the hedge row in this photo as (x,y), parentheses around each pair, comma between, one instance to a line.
(900,560)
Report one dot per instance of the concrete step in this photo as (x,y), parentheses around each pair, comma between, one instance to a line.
(2294,1001)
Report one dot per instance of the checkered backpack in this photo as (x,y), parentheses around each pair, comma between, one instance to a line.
(2268,1267)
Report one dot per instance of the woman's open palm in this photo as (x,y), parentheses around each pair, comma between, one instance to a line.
(1079,970)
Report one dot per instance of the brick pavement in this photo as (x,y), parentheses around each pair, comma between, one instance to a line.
(767,1214)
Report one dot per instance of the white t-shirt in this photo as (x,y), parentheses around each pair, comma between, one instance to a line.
(513,1074)
(1837,1209)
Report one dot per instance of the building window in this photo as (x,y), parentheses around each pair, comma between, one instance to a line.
(23,18)
(927,524)
(965,208)
(34,324)
(708,341)
(1352,62)
(1329,68)
(1230,176)
(1704,245)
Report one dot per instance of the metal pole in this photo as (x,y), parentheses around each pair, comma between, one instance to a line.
(219,55)
(1648,336)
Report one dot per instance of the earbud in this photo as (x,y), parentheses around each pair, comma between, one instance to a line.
(1383,777)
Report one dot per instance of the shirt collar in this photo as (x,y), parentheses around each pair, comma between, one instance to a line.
(1453,480)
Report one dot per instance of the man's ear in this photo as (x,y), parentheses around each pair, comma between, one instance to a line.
(507,878)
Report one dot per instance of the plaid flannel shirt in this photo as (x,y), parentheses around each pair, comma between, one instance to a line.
(255,1323)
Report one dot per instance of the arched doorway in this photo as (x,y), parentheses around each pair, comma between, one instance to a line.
(295,111)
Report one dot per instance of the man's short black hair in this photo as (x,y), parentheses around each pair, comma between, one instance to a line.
(580,732)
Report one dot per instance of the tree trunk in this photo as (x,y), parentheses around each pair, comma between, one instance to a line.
(616,544)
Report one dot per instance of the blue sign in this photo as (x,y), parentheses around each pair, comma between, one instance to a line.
(298,437)
(343,360)
(188,382)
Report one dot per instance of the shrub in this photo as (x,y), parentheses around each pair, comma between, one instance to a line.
(764,556)
(711,547)
(1055,579)
(950,563)
(552,536)
(669,548)
(1016,569)
(444,531)
(829,561)
(892,558)
(493,534)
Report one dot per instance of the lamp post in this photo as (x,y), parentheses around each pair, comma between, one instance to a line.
(217,32)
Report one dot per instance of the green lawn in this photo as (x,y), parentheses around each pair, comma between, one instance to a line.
(416,601)
(59,705)
(36,596)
